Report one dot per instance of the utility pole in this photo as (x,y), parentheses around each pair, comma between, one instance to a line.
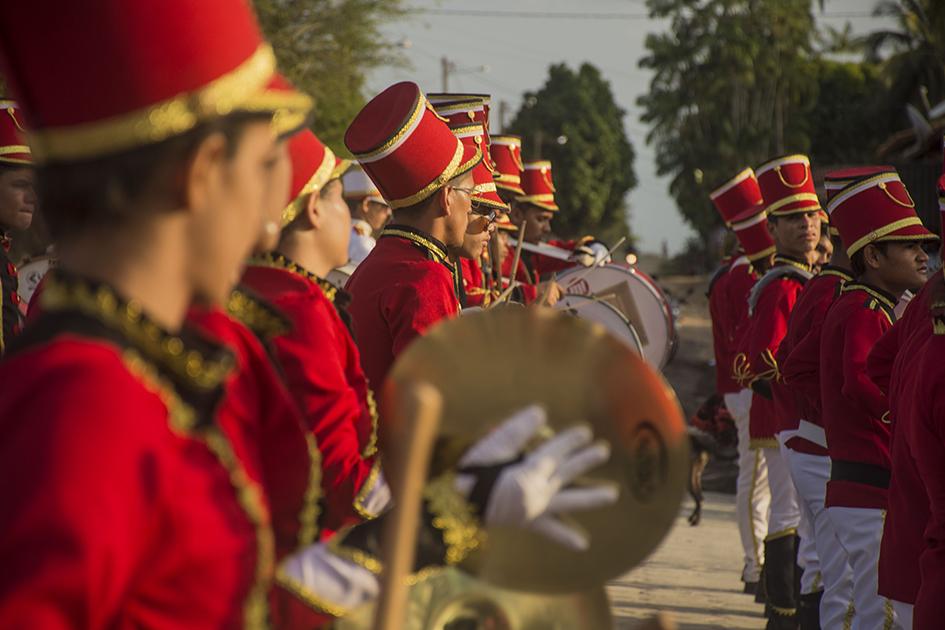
(445,65)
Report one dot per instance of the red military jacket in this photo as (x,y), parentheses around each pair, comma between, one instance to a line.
(926,437)
(10,316)
(799,354)
(477,289)
(742,278)
(321,367)
(124,503)
(404,286)
(722,329)
(855,410)
(770,305)
(893,367)
(257,404)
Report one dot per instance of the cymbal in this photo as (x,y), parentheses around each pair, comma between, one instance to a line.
(451,599)
(488,365)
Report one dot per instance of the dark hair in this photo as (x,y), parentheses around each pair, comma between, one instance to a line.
(857,261)
(9,168)
(77,196)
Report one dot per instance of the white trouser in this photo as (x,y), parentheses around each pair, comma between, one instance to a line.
(807,558)
(752,497)
(810,473)
(785,514)
(903,614)
(860,532)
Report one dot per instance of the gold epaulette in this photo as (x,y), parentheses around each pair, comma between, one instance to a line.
(259,316)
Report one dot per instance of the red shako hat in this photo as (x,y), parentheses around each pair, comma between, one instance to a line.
(405,147)
(835,181)
(878,208)
(752,233)
(787,185)
(312,166)
(485,191)
(738,197)
(506,153)
(466,110)
(538,186)
(121,75)
(13,146)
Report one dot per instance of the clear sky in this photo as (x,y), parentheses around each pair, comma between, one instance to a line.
(517,52)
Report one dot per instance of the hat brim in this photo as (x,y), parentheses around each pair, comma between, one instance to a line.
(909,233)
(550,206)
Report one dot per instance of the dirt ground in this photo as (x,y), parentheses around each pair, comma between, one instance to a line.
(693,578)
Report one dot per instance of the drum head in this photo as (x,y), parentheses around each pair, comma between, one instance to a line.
(596,310)
(490,365)
(636,298)
(30,274)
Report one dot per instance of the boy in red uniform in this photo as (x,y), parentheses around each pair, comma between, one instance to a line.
(794,222)
(892,365)
(506,154)
(740,204)
(315,352)
(17,205)
(132,507)
(806,449)
(883,236)
(406,284)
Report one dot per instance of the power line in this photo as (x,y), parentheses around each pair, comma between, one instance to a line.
(572,15)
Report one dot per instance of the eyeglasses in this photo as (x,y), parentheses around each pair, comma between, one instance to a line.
(469,191)
(484,212)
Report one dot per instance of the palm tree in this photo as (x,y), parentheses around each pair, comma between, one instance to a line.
(913,52)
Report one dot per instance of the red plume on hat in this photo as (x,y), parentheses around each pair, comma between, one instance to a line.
(405,147)
(98,78)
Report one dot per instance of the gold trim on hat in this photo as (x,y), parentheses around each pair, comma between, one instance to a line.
(911,204)
(224,95)
(734,181)
(452,170)
(321,176)
(418,108)
(884,232)
(777,169)
(15,149)
(777,205)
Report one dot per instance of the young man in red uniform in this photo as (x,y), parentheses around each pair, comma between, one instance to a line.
(893,367)
(794,222)
(806,450)
(17,205)
(739,203)
(132,506)
(315,352)
(883,237)
(506,154)
(406,284)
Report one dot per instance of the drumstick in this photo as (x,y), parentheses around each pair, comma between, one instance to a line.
(547,292)
(600,263)
(419,415)
(518,255)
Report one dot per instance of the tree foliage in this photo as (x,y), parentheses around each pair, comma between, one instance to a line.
(326,48)
(574,121)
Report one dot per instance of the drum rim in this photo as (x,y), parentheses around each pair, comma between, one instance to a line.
(653,290)
(615,310)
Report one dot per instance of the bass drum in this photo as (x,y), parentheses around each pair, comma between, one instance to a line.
(339,276)
(596,310)
(636,297)
(30,274)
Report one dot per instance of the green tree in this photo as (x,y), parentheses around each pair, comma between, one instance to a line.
(731,88)
(574,121)
(326,48)
(913,52)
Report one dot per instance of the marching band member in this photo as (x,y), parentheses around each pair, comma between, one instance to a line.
(891,365)
(806,450)
(132,506)
(535,210)
(794,222)
(740,204)
(883,236)
(406,284)
(369,212)
(506,153)
(17,205)
(315,352)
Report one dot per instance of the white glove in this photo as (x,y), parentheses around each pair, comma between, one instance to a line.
(328,578)
(532,494)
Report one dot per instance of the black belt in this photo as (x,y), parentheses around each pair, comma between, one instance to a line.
(868,474)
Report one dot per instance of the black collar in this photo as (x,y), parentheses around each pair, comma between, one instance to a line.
(886,299)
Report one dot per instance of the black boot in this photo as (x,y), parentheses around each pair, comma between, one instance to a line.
(808,613)
(781,581)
